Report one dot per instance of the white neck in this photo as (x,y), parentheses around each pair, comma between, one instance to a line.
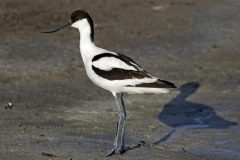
(87,46)
(85,39)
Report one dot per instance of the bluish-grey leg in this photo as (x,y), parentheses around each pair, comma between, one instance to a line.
(123,118)
(119,144)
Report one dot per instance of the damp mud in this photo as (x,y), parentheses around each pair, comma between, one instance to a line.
(50,109)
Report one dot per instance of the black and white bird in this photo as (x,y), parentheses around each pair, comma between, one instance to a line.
(114,72)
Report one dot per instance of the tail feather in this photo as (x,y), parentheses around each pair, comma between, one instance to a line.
(158,84)
(169,84)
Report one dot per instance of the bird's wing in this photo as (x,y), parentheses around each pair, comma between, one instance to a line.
(114,66)
(130,62)
(117,67)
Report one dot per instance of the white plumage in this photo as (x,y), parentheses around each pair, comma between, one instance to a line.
(108,63)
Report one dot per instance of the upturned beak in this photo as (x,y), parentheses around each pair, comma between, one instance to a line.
(59,28)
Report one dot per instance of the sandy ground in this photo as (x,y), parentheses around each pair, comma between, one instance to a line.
(59,114)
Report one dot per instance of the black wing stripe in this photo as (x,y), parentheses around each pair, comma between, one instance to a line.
(97,57)
(120,74)
(157,84)
(121,57)
(170,84)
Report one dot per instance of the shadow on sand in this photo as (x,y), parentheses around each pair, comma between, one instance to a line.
(180,113)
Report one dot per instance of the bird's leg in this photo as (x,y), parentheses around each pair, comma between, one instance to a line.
(119,139)
(123,118)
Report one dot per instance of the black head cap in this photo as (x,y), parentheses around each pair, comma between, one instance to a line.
(79,15)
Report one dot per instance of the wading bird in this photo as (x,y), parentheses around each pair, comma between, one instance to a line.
(114,72)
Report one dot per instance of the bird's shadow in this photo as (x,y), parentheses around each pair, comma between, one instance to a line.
(180,113)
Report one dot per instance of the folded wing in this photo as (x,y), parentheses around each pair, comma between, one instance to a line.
(112,66)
